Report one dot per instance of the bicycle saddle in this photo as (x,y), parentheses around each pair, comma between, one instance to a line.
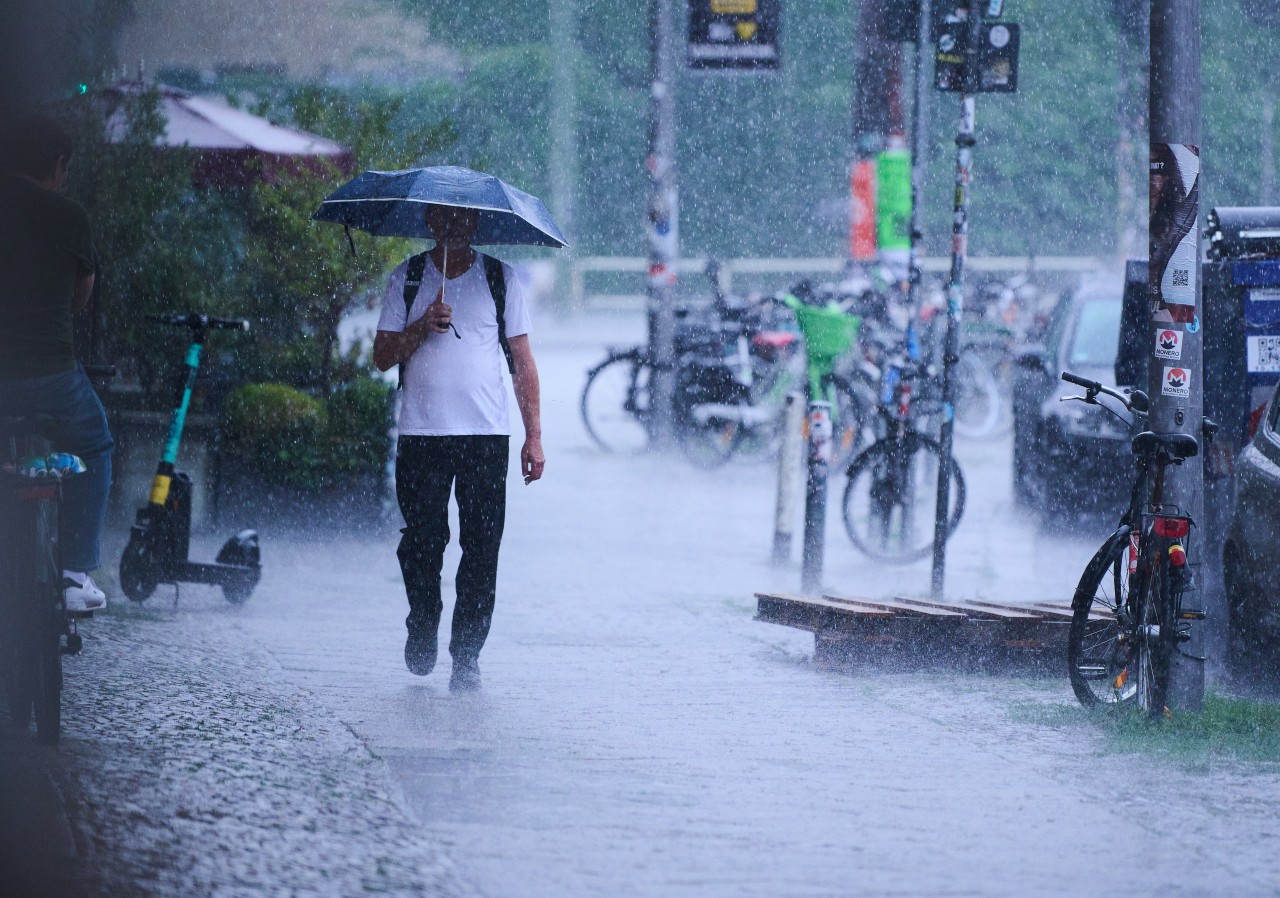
(1176,446)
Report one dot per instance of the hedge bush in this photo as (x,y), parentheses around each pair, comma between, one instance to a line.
(279,430)
(290,438)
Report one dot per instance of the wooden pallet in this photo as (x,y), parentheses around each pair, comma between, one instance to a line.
(903,629)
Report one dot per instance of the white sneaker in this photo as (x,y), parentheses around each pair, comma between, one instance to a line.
(80,593)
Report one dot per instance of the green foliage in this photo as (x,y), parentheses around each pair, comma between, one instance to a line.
(357,438)
(303,275)
(162,245)
(1228,728)
(290,438)
(278,429)
(167,246)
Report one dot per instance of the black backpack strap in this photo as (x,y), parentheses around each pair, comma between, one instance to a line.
(498,288)
(412,284)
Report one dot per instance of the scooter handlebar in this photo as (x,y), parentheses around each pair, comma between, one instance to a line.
(195,320)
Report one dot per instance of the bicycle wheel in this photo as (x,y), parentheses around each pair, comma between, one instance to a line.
(977,398)
(1100,644)
(711,443)
(1155,637)
(615,404)
(890,499)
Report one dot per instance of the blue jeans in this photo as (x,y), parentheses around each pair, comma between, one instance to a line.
(81,429)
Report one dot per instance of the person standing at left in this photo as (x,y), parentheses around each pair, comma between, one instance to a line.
(47,265)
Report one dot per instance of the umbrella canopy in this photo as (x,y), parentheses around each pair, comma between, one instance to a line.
(391,204)
(230,146)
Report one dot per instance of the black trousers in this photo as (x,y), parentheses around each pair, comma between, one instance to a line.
(475,468)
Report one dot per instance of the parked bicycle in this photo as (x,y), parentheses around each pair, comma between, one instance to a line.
(36,629)
(735,363)
(1130,613)
(890,497)
(711,403)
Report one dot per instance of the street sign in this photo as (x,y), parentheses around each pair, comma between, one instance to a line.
(734,34)
(997,58)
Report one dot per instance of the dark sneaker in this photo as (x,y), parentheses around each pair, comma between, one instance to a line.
(465,676)
(420,651)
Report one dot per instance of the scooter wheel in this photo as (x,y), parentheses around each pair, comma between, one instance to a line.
(238,593)
(138,573)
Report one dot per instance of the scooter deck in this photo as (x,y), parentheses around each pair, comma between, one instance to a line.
(211,572)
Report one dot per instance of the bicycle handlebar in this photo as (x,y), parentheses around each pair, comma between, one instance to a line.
(1082,381)
(1136,401)
(195,321)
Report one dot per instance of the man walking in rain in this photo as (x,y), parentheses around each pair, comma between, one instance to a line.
(454,428)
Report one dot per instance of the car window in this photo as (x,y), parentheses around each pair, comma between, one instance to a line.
(1097,333)
(1055,328)
(1273,416)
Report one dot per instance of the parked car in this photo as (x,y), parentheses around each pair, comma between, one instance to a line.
(1250,563)
(1067,456)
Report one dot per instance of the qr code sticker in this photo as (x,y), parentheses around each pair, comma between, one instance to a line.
(1181,277)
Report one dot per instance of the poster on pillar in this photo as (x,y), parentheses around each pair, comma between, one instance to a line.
(1175,210)
(862,212)
(733,35)
(893,205)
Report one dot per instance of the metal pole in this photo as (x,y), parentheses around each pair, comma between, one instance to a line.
(788,467)
(1175,377)
(563,125)
(919,147)
(815,496)
(664,219)
(955,299)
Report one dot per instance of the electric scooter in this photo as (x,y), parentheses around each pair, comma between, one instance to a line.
(160,541)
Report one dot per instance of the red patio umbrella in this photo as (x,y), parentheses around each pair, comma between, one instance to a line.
(229,147)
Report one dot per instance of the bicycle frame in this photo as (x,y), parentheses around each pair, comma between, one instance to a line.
(1151,621)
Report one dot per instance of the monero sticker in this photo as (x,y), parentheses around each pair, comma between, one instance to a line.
(1177,383)
(1168,344)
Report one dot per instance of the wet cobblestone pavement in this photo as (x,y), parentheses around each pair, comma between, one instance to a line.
(190,766)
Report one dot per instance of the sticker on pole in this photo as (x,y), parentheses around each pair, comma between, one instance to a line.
(1177,383)
(1168,344)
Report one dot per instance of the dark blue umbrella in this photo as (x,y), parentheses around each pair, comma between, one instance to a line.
(391,204)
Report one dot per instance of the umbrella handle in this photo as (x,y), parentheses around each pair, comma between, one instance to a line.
(444,279)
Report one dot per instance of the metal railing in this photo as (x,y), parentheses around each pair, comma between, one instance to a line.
(759,269)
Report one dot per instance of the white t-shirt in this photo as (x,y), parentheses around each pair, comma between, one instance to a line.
(452,386)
